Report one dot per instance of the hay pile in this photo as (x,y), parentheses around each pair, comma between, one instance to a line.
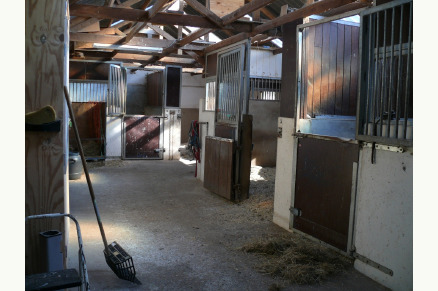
(297,259)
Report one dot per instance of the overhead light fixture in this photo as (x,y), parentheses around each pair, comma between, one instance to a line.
(145,49)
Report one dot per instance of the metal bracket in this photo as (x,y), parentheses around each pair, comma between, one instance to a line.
(296,212)
(395,149)
(373,264)
(160,150)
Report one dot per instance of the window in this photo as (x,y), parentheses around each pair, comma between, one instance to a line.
(264,89)
(210,95)
(385,112)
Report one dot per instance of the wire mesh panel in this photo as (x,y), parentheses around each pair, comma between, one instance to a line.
(386,96)
(116,103)
(88,90)
(264,88)
(230,77)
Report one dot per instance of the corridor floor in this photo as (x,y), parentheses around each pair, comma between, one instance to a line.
(180,235)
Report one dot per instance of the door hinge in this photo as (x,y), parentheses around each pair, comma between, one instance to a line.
(373,264)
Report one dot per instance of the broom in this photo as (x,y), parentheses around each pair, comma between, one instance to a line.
(116,257)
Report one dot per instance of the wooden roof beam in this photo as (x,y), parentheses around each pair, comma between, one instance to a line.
(160,18)
(315,8)
(76,23)
(206,12)
(135,41)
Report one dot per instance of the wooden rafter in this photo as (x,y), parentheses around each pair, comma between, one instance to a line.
(76,23)
(160,18)
(315,8)
(205,12)
(227,19)
(160,31)
(135,41)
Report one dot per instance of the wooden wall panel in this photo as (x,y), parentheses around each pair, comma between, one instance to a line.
(44,152)
(289,70)
(330,69)
(219,163)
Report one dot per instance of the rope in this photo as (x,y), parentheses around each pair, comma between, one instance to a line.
(193,143)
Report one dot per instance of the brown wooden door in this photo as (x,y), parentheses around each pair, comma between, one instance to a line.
(142,137)
(323,189)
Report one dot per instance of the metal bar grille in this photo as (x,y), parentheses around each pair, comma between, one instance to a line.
(229,87)
(264,88)
(386,70)
(88,90)
(117,90)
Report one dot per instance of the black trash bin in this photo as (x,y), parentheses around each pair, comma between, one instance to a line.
(75,166)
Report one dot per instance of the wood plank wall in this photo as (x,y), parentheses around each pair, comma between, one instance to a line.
(330,70)
(44,152)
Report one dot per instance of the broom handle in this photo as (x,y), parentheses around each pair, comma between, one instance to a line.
(84,164)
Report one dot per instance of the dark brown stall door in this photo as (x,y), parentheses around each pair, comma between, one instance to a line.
(142,137)
(323,189)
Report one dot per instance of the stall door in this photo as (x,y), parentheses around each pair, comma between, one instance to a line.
(227,170)
(142,137)
(323,189)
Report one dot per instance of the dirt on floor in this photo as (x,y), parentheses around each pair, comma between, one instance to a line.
(240,235)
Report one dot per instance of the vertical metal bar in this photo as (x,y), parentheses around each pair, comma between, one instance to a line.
(375,70)
(391,74)
(383,91)
(399,75)
(408,79)
(369,75)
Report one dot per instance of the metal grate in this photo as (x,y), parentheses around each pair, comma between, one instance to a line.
(88,90)
(210,95)
(386,98)
(116,103)
(264,88)
(229,86)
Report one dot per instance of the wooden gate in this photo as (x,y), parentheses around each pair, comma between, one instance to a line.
(142,137)
(323,189)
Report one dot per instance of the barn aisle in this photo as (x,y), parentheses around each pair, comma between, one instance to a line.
(180,235)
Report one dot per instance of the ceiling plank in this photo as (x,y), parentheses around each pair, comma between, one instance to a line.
(206,12)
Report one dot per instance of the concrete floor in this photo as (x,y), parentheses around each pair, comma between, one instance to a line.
(180,235)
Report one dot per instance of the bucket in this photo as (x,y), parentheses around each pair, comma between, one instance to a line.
(75,169)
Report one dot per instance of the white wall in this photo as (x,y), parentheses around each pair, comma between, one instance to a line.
(204,116)
(264,63)
(284,173)
(193,89)
(384,217)
(114,137)
(172,134)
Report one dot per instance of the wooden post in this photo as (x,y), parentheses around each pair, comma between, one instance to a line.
(289,69)
(45,40)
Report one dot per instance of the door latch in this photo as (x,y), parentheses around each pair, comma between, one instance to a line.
(296,212)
